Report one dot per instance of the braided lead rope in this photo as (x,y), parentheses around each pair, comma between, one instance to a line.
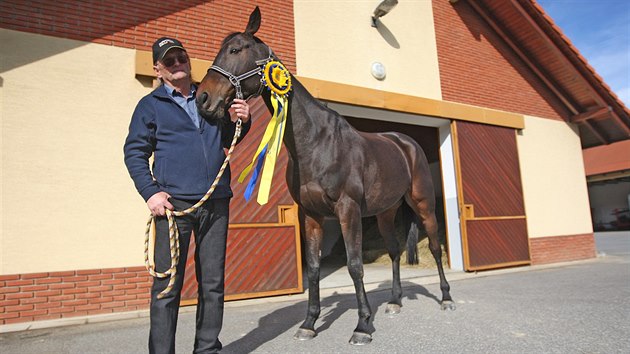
(172,225)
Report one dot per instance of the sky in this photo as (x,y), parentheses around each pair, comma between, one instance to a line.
(600,30)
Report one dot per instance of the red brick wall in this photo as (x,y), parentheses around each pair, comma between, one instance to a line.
(478,68)
(55,295)
(562,248)
(200,25)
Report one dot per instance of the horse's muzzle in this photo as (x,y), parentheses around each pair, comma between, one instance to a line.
(209,108)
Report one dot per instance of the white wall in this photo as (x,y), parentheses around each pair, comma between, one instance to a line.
(334,41)
(67,200)
(554,182)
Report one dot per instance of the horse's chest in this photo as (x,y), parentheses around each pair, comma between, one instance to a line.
(320,179)
(313,197)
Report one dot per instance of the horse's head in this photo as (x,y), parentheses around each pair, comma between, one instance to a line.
(240,54)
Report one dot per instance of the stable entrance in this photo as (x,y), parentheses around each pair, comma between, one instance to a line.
(477,167)
(433,135)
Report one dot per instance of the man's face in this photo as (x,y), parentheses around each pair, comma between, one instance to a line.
(174,66)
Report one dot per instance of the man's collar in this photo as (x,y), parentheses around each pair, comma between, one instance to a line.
(172,91)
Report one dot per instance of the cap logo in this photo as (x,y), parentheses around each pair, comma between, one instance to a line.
(162,43)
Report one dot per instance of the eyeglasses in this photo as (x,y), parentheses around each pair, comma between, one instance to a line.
(170,61)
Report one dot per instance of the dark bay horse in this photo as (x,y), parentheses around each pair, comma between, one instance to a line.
(333,171)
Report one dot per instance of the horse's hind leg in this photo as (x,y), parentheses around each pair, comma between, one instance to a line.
(430,223)
(313,238)
(386,227)
(349,213)
(426,212)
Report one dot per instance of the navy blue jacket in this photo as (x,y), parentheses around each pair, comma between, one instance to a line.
(186,158)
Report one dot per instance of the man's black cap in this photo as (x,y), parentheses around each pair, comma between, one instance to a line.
(163,45)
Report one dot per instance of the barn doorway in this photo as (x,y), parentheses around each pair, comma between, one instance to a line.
(433,135)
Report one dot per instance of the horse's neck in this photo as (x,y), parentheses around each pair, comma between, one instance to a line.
(309,120)
(304,114)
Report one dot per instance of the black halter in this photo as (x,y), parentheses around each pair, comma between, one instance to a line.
(236,80)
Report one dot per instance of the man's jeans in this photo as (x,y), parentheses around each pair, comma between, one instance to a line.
(209,223)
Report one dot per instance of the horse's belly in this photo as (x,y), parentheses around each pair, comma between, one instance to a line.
(385,181)
(380,197)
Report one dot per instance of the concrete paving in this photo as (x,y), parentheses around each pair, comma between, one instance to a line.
(575,307)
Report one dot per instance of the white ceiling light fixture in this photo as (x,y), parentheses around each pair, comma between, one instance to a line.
(378,70)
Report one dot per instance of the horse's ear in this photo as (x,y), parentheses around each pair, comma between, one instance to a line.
(254,22)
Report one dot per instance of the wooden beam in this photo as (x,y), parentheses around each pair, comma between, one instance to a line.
(601,112)
(590,114)
(597,134)
(367,97)
(620,122)
(596,94)
(608,176)
(533,67)
(361,96)
(554,48)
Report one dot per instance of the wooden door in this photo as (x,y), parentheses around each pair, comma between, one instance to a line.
(263,248)
(492,211)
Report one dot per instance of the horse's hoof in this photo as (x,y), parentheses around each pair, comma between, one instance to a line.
(359,338)
(448,305)
(304,334)
(392,309)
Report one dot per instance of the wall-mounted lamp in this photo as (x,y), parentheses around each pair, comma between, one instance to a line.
(383,9)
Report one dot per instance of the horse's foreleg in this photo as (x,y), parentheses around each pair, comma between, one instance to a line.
(349,214)
(313,239)
(387,229)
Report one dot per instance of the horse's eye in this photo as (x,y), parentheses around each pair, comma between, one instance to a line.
(234,50)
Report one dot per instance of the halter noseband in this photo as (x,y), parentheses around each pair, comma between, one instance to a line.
(236,80)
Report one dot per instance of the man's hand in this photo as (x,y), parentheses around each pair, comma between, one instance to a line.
(158,203)
(241,110)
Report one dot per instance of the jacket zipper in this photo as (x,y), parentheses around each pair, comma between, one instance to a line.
(200,131)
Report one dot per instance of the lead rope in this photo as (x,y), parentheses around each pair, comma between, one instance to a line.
(173,232)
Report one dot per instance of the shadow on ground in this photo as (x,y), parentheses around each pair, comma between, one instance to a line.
(280,321)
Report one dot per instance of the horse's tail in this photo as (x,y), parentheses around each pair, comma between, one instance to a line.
(411,222)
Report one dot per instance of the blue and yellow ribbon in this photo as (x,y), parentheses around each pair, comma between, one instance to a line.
(278,80)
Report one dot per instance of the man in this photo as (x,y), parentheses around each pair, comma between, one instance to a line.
(188,152)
